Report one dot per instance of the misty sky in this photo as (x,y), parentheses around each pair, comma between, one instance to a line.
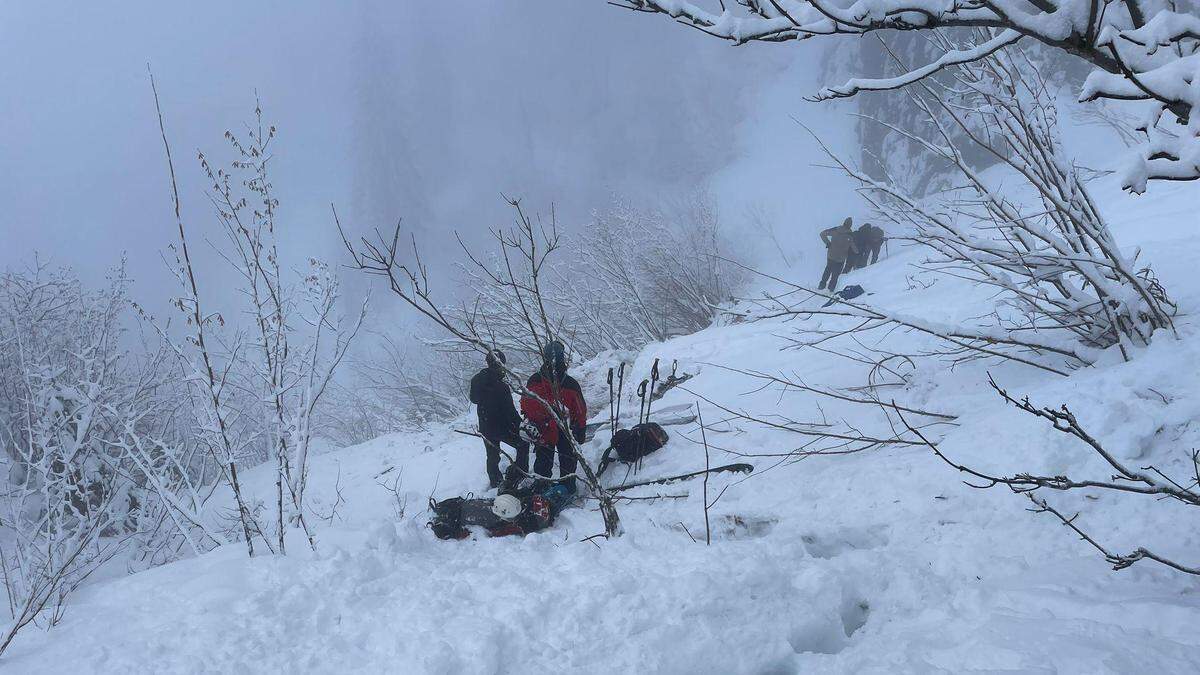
(424,111)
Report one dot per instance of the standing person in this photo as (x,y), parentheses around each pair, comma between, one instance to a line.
(553,385)
(874,242)
(498,418)
(839,244)
(861,238)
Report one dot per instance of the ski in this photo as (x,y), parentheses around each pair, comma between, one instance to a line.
(733,468)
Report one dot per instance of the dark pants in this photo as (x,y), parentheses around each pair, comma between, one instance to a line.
(493,456)
(543,462)
(874,251)
(833,269)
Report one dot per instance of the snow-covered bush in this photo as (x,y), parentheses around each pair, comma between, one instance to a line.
(650,274)
(70,397)
(389,388)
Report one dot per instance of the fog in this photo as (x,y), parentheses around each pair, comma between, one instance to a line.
(421,111)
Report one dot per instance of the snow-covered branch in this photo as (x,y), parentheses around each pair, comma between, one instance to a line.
(1145,50)
(1058,268)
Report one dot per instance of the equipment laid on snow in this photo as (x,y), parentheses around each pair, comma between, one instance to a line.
(631,445)
(643,439)
(673,380)
(733,468)
(848,293)
(525,504)
(506,506)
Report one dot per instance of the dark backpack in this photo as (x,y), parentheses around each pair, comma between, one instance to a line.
(638,441)
(848,293)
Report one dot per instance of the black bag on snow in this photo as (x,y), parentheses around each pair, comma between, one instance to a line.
(446,522)
(638,441)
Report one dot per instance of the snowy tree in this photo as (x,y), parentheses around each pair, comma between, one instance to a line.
(298,340)
(256,391)
(1140,50)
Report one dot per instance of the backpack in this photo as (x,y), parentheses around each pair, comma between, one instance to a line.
(848,293)
(638,441)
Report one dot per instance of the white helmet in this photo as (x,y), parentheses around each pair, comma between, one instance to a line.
(507,506)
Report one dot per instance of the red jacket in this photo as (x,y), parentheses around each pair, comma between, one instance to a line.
(566,395)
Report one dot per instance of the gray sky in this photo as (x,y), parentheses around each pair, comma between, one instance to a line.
(424,111)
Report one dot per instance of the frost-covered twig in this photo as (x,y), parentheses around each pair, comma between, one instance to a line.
(1147,481)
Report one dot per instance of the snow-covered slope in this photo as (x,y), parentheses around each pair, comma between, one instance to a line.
(873,562)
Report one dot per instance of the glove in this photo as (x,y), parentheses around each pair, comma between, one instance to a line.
(580,435)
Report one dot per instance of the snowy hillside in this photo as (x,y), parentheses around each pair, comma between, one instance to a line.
(880,561)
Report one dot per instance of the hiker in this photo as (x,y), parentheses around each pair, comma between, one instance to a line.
(498,418)
(873,241)
(862,242)
(839,244)
(553,385)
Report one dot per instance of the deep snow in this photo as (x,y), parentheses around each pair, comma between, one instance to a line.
(875,562)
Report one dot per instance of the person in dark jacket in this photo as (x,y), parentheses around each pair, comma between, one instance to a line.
(553,385)
(872,243)
(862,243)
(498,418)
(839,245)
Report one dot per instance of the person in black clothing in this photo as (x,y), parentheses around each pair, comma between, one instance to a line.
(862,244)
(874,242)
(498,418)
(553,385)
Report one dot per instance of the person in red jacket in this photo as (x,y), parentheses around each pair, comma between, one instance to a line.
(554,386)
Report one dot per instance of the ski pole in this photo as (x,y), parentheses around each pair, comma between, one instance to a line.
(653,386)
(641,391)
(612,419)
(620,391)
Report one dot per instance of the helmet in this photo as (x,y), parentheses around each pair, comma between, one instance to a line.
(554,355)
(507,506)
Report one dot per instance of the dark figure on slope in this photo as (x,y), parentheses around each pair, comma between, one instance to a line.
(553,385)
(869,239)
(498,418)
(839,245)
(858,258)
